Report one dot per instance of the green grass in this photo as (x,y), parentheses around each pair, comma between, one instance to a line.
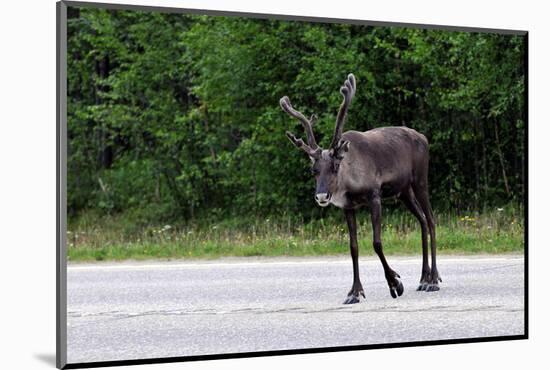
(91,237)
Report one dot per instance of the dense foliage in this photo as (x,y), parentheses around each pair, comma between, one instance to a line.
(177,117)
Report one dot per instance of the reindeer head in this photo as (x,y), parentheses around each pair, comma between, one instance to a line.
(325,162)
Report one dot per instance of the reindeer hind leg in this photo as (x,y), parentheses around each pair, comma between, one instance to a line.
(412,205)
(421,193)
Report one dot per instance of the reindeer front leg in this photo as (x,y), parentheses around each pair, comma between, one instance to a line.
(356,289)
(392,277)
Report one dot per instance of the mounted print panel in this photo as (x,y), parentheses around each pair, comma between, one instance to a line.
(236,185)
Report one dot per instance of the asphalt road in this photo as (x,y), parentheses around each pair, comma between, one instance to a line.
(163,309)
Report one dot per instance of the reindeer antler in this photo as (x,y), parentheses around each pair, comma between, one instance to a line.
(307,124)
(348,92)
(314,153)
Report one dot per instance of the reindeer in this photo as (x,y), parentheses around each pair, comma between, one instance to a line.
(361,168)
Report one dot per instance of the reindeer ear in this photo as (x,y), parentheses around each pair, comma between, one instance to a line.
(345,146)
(341,149)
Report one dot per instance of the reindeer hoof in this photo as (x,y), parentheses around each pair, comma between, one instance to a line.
(429,282)
(354,296)
(352,299)
(422,287)
(396,290)
(432,285)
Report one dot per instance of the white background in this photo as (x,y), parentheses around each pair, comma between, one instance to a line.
(27,182)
